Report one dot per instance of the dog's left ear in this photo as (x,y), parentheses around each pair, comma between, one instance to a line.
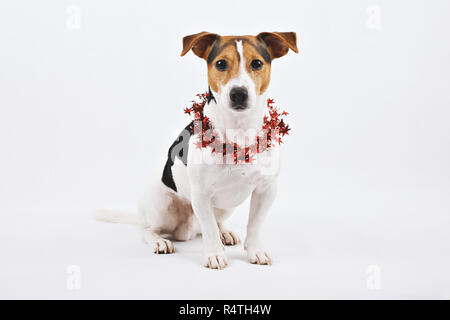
(199,43)
(278,43)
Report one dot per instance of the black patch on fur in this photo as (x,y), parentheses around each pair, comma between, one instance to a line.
(181,144)
(261,48)
(214,51)
(217,48)
(210,96)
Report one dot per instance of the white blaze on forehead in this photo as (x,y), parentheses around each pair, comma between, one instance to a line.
(242,79)
(240,50)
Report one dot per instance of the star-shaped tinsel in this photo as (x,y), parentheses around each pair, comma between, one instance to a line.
(272,131)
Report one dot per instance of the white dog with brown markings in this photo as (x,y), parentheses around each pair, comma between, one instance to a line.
(197,193)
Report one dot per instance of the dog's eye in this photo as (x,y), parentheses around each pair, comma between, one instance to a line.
(256,64)
(221,65)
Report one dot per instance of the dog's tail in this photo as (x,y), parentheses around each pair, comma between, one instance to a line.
(116,216)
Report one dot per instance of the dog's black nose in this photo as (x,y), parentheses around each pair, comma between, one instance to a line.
(238,97)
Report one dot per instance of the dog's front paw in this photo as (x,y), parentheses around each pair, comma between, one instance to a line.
(229,238)
(258,256)
(216,261)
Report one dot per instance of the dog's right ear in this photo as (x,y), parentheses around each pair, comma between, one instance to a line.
(199,43)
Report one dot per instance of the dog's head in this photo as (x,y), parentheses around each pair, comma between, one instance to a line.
(239,66)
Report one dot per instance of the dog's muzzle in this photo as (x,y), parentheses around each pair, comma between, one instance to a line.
(239,97)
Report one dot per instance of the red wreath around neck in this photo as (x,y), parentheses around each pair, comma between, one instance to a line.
(272,131)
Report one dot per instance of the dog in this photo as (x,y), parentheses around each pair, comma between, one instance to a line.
(196,197)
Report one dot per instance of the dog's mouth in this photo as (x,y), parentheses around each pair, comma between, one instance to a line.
(239,107)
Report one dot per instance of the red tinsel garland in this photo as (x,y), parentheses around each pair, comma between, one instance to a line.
(273,130)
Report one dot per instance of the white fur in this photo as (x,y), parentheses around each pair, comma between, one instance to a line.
(208,190)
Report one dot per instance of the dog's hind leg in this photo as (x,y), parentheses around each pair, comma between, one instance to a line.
(157,243)
(156,217)
(229,238)
(187,227)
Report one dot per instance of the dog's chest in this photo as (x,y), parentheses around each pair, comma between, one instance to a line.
(232,184)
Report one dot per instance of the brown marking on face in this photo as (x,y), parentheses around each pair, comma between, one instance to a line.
(261,77)
(265,47)
(225,49)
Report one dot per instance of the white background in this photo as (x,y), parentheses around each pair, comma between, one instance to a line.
(87,114)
